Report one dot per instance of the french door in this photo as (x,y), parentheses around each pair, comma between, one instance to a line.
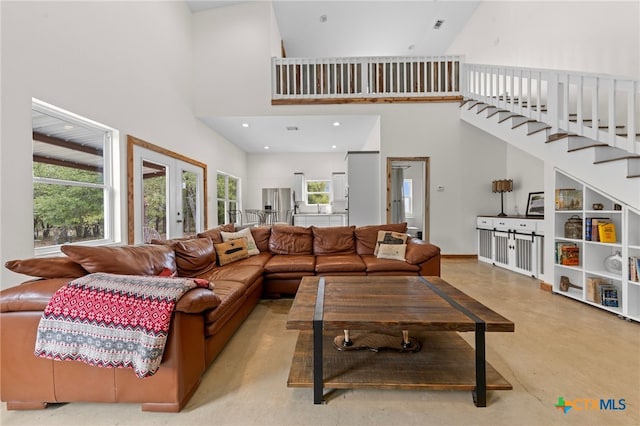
(168,196)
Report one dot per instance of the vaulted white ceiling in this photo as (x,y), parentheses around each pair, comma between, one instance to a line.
(342,29)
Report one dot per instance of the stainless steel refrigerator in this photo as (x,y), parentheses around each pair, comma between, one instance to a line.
(278,200)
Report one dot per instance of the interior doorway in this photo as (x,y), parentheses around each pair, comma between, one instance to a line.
(408,194)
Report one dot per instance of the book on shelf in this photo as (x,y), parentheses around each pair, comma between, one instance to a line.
(609,295)
(567,254)
(593,288)
(634,268)
(591,232)
(607,232)
(568,199)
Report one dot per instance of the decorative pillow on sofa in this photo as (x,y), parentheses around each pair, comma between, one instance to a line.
(391,251)
(246,234)
(124,260)
(47,267)
(390,238)
(214,234)
(231,251)
(367,236)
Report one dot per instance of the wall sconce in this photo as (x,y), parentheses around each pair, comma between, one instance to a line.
(502,186)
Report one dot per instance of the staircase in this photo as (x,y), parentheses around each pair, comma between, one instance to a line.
(554,116)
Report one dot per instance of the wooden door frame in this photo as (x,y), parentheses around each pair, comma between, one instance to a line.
(425,161)
(133,141)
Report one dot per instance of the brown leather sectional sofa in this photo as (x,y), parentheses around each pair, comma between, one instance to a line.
(203,321)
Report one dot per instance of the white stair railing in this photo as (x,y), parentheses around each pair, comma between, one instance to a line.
(366,77)
(601,107)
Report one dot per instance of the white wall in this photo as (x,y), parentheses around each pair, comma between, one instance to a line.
(127,65)
(587,36)
(232,59)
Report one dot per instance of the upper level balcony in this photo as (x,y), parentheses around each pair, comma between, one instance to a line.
(365,80)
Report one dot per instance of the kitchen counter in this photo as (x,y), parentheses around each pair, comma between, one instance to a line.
(320,219)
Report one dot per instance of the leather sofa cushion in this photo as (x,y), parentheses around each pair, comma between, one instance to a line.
(257,260)
(287,239)
(339,263)
(387,265)
(419,251)
(261,236)
(126,260)
(194,256)
(229,292)
(31,295)
(214,233)
(291,263)
(47,267)
(367,236)
(245,274)
(333,240)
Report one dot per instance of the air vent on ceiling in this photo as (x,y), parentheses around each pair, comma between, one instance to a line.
(292,128)
(438,24)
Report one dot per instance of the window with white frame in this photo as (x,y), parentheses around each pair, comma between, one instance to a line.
(228,198)
(318,191)
(72,179)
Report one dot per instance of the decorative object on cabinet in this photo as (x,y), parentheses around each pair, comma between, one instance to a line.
(535,204)
(613,263)
(502,186)
(605,269)
(597,206)
(573,227)
(565,284)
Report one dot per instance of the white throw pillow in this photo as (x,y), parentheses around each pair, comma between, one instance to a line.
(246,234)
(392,251)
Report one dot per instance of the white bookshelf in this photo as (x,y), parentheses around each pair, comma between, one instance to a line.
(592,254)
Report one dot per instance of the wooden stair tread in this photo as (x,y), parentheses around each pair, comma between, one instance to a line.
(593,145)
(557,136)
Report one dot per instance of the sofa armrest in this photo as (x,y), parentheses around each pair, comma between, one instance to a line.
(198,300)
(35,295)
(30,295)
(419,251)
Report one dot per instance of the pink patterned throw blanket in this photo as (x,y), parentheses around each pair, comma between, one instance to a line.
(112,320)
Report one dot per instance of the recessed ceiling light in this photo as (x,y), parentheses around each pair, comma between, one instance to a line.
(266,147)
(438,24)
(323,18)
(411,46)
(336,123)
(68,127)
(292,128)
(245,124)
(333,146)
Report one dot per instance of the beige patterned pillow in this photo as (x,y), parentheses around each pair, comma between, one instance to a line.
(246,234)
(231,251)
(389,237)
(392,251)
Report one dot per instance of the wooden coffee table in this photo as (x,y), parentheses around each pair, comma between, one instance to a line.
(425,306)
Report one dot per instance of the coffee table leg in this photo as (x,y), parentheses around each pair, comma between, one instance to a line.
(480,393)
(317,363)
(318,326)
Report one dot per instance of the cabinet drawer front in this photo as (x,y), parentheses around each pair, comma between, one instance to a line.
(524,225)
(484,222)
(503,224)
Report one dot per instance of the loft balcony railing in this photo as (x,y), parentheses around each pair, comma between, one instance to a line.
(369,79)
(601,107)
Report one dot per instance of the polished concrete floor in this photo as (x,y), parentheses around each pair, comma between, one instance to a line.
(561,348)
